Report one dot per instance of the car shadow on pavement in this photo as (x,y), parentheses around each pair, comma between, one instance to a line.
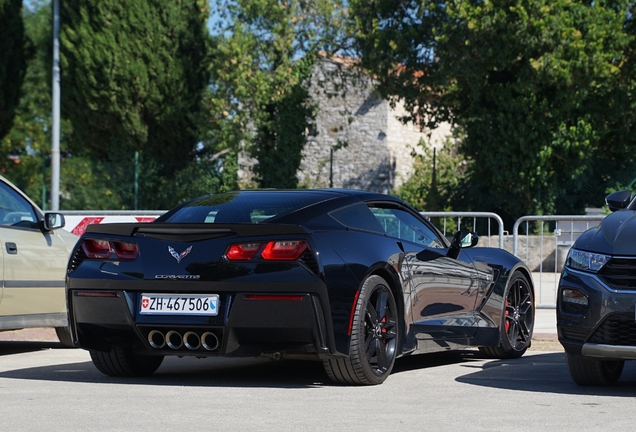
(423,361)
(17,347)
(190,371)
(223,372)
(544,372)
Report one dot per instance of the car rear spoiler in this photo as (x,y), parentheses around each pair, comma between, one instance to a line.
(190,229)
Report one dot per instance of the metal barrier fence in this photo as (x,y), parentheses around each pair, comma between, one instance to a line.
(543,243)
(546,243)
(472,219)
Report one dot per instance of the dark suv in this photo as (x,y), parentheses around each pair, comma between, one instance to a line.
(596,319)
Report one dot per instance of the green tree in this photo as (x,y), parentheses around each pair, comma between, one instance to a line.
(25,150)
(543,89)
(437,173)
(13,55)
(263,59)
(281,134)
(134,75)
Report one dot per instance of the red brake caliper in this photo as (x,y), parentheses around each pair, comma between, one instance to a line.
(507,313)
(383,320)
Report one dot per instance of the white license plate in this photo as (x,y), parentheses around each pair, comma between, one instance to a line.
(179,304)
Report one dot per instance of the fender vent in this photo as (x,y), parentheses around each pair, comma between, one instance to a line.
(78,256)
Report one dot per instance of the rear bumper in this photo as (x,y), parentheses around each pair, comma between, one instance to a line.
(246,325)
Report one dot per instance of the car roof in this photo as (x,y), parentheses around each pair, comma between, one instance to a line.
(328,193)
(295,201)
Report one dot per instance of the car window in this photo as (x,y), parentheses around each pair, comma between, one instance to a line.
(14,209)
(357,216)
(403,225)
(242,207)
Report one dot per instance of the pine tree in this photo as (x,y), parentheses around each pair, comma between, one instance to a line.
(133,76)
(13,55)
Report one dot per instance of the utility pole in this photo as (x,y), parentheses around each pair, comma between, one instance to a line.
(55,115)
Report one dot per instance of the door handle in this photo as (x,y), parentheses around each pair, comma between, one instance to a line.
(12,248)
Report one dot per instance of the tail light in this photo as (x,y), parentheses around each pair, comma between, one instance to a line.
(97,249)
(242,252)
(126,250)
(283,250)
(103,249)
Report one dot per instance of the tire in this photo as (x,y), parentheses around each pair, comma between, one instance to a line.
(586,371)
(517,321)
(64,335)
(121,362)
(374,338)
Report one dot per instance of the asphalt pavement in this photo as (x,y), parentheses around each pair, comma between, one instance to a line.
(61,390)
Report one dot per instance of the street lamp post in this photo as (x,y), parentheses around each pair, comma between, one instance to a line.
(55,115)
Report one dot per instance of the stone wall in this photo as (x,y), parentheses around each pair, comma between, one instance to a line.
(402,140)
(377,155)
(354,126)
(371,146)
(538,252)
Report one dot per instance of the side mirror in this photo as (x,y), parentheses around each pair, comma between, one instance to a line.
(618,200)
(462,239)
(465,239)
(53,221)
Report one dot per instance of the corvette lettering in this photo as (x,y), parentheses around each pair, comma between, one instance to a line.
(189,277)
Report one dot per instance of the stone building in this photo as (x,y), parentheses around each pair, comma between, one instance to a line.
(357,141)
(377,156)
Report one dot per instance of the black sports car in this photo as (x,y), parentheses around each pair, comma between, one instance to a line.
(352,278)
(596,320)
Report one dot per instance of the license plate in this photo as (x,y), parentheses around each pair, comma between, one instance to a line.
(179,304)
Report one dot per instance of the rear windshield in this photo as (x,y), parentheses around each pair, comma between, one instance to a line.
(244,207)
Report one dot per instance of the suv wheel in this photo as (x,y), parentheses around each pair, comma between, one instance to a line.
(587,371)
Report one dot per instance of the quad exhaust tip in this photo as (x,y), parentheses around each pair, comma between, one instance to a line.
(209,341)
(156,339)
(174,339)
(190,339)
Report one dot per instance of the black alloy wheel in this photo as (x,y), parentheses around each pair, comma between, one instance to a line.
(517,321)
(374,336)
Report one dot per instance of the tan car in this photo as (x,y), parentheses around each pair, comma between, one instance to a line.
(34,253)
